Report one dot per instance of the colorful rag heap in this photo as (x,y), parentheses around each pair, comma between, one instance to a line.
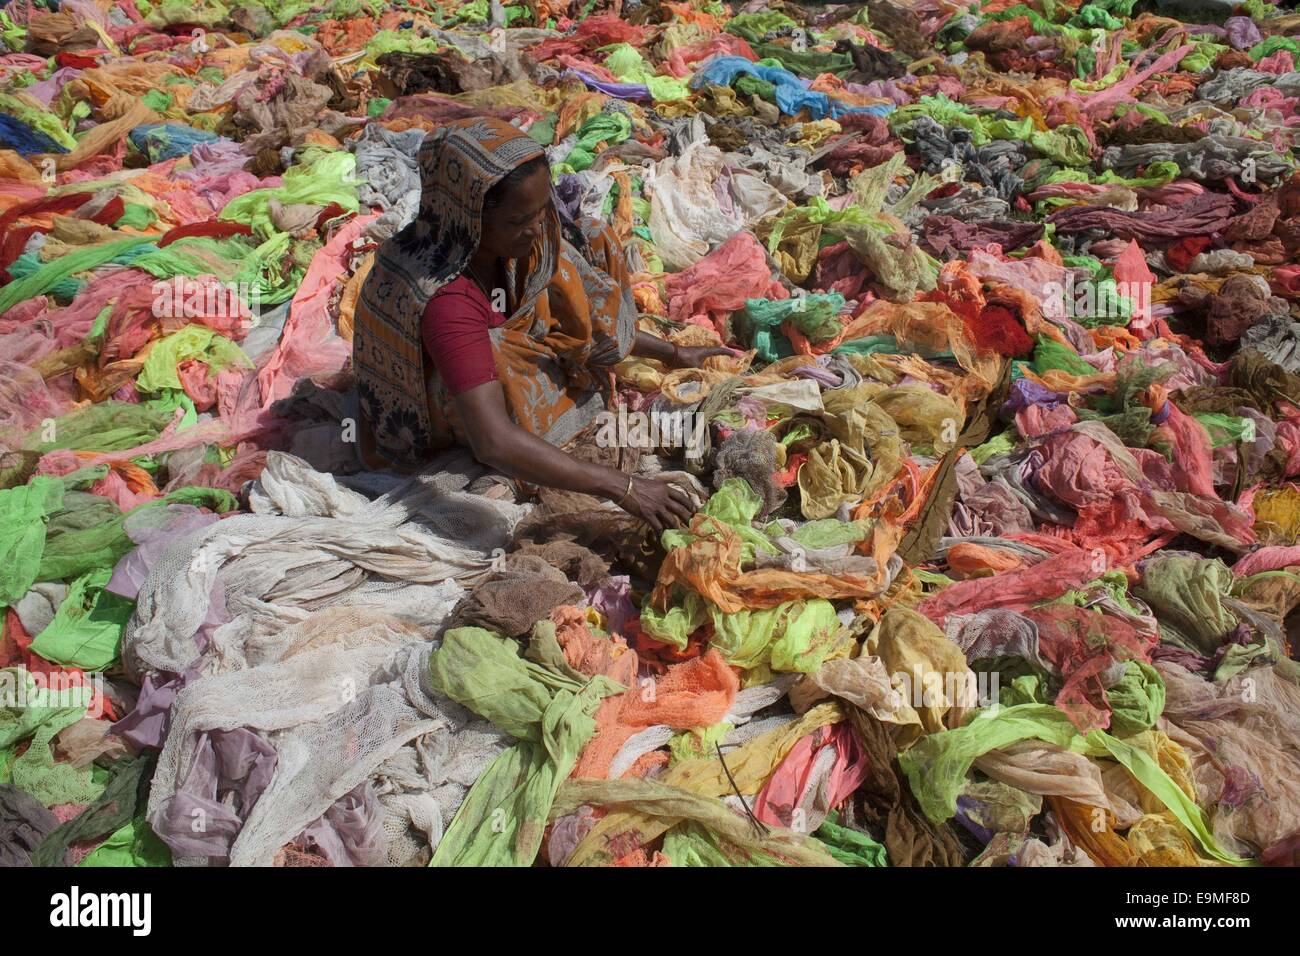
(996,550)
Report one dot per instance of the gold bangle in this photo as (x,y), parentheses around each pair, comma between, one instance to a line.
(626,493)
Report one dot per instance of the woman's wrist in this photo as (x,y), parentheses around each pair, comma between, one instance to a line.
(652,347)
(621,500)
(612,484)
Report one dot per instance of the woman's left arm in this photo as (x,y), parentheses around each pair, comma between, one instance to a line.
(674,356)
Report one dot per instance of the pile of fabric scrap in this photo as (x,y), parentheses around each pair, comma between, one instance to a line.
(997,544)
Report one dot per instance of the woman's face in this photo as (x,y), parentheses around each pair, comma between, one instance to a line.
(512,227)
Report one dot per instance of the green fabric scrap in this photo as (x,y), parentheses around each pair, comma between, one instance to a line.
(195,341)
(728,838)
(1185,594)
(735,504)
(87,626)
(817,316)
(754,26)
(937,765)
(1051,354)
(1137,700)
(608,128)
(39,710)
(700,742)
(330,177)
(105,427)
(134,845)
(850,847)
(549,714)
(125,791)
(24,514)
(51,274)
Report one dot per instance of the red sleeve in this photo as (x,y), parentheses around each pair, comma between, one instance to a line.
(455,331)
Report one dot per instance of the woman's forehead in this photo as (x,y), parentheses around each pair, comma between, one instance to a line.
(531,193)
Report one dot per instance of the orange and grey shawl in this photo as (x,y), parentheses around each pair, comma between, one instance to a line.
(570,311)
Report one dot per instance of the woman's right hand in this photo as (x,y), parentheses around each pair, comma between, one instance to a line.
(661,504)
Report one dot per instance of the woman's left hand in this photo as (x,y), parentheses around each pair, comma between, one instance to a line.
(694,357)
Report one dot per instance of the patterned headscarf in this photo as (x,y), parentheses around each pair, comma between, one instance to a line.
(459,163)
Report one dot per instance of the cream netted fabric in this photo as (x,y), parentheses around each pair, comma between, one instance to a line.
(305,626)
(309,544)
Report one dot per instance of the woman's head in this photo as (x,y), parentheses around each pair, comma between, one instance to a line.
(514,210)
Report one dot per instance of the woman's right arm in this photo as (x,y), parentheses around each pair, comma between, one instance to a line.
(499,443)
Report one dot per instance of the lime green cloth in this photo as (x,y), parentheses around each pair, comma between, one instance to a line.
(134,844)
(329,177)
(609,128)
(850,847)
(24,514)
(38,711)
(192,342)
(937,765)
(1137,700)
(794,636)
(69,264)
(754,26)
(107,426)
(87,626)
(1051,354)
(735,504)
(548,713)
(626,62)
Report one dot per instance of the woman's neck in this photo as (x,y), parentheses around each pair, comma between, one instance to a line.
(485,264)
(489,274)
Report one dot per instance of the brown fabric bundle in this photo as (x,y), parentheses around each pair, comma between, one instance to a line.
(909,836)
(515,598)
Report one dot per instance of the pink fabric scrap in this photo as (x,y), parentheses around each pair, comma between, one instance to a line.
(809,774)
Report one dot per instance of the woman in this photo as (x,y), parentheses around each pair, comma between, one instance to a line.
(482,324)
